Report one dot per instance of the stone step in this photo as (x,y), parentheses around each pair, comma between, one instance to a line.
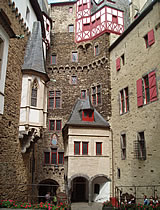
(86,206)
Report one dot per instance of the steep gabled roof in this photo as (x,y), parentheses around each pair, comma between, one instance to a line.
(34,58)
(76,119)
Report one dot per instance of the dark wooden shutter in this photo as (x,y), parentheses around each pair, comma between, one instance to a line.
(118,64)
(139,93)
(152,86)
(151,39)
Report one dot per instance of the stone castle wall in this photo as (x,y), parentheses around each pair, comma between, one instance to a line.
(13,165)
(139,61)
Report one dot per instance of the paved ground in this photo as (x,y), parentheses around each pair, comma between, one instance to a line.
(85,206)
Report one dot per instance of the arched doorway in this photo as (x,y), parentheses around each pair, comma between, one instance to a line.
(79,190)
(47,185)
(100,188)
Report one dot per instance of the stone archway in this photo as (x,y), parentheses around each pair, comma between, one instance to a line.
(45,186)
(79,188)
(100,185)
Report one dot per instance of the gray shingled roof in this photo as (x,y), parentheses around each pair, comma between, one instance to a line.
(75,117)
(34,59)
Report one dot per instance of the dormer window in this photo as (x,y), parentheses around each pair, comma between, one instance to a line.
(88,115)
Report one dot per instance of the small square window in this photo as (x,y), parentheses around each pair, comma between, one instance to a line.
(73,80)
(83,94)
(70,9)
(123,60)
(96,50)
(71,28)
(53,59)
(74,57)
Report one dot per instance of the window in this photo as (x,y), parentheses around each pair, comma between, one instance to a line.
(123,146)
(54,157)
(118,173)
(34,93)
(124,101)
(83,94)
(74,57)
(53,59)
(98,148)
(140,147)
(96,50)
(123,59)
(71,28)
(88,115)
(70,9)
(61,158)
(55,125)
(84,148)
(73,80)
(96,188)
(114,19)
(149,38)
(118,64)
(46,157)
(1,54)
(77,148)
(54,99)
(27,14)
(96,95)
(146,89)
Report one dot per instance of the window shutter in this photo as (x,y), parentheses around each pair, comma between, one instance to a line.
(118,64)
(151,39)
(152,86)
(139,93)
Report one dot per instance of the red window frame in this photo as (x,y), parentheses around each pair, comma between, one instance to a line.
(52,153)
(78,143)
(59,158)
(88,115)
(45,157)
(98,143)
(114,19)
(56,96)
(55,125)
(84,143)
(50,125)
(118,64)
(60,125)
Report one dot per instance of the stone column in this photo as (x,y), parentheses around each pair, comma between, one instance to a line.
(90,192)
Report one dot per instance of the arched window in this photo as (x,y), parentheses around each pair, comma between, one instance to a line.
(34,93)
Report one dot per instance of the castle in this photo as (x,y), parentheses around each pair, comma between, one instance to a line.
(79,109)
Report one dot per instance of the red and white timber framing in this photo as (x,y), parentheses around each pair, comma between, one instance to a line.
(89,26)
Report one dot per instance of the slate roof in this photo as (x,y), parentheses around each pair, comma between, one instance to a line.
(75,117)
(34,59)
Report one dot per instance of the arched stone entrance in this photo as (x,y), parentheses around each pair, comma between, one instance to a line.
(47,185)
(100,185)
(79,189)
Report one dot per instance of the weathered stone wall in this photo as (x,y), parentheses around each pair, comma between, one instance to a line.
(90,70)
(13,165)
(139,61)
